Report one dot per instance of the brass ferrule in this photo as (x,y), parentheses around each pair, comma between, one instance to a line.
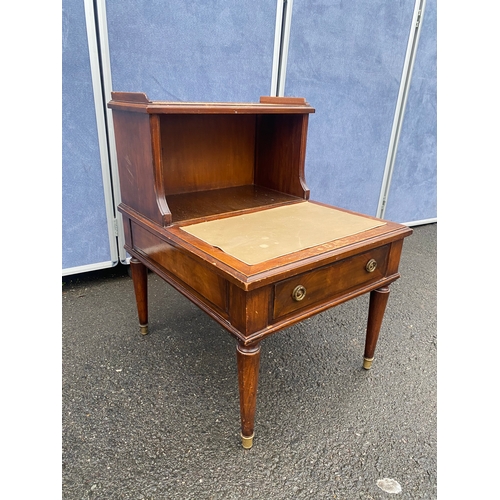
(247,441)
(144,329)
(367,363)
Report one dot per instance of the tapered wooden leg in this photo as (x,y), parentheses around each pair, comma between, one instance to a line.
(378,303)
(248,358)
(140,279)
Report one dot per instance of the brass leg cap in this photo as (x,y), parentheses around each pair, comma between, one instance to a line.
(144,329)
(247,442)
(367,363)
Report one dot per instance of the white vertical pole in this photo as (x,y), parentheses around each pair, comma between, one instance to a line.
(277,48)
(101,124)
(107,88)
(285,43)
(404,87)
(281,43)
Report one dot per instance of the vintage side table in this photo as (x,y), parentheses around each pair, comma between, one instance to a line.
(214,201)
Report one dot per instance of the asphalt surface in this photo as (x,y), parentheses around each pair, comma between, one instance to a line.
(157,417)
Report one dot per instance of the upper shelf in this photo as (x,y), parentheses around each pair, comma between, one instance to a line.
(179,161)
(139,102)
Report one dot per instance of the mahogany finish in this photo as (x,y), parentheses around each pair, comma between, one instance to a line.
(248,376)
(378,303)
(140,280)
(185,163)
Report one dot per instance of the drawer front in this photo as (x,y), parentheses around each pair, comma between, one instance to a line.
(323,284)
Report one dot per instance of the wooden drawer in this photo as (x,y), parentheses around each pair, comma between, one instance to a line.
(328,282)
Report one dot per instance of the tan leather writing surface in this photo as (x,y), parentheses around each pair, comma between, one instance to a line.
(267,234)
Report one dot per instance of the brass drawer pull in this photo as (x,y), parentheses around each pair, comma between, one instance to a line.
(371,265)
(299,292)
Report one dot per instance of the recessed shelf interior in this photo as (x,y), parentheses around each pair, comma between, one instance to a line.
(196,205)
(214,164)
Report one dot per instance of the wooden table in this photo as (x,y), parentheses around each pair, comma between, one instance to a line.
(214,201)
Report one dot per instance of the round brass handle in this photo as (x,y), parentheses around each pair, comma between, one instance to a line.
(299,292)
(371,265)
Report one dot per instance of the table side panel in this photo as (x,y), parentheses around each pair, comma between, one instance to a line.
(136,165)
(206,284)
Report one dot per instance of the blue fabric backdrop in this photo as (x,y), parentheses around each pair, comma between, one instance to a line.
(215,50)
(84,225)
(347,58)
(413,192)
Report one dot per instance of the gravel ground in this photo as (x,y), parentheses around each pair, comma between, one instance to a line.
(157,417)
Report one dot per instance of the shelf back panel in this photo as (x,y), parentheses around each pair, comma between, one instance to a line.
(205,152)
